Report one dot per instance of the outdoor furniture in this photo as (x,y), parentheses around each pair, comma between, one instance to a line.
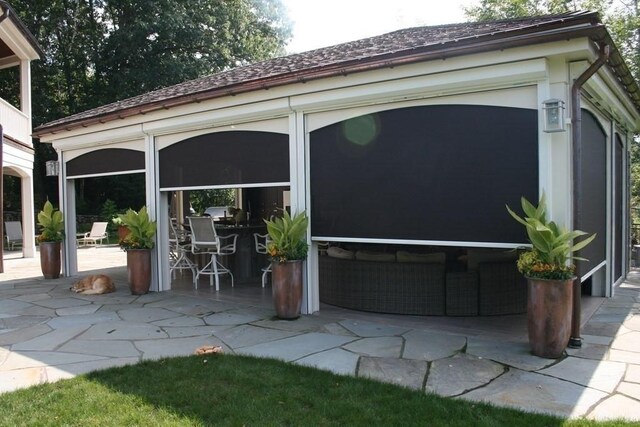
(501,289)
(179,246)
(384,287)
(13,230)
(204,240)
(97,234)
(261,243)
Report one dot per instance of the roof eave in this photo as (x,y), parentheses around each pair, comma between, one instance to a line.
(461,47)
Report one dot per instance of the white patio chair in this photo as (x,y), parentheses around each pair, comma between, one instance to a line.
(205,240)
(97,234)
(262,242)
(178,249)
(13,230)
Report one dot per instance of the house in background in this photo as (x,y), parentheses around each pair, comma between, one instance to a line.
(18,48)
(417,138)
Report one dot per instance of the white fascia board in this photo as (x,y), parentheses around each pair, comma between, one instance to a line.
(11,35)
(92,139)
(135,144)
(241,106)
(220,117)
(442,84)
(9,61)
(12,156)
(275,125)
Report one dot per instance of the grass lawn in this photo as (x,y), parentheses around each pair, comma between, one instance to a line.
(238,391)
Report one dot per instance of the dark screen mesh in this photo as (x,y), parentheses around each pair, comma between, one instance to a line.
(618,208)
(108,160)
(425,173)
(225,158)
(593,203)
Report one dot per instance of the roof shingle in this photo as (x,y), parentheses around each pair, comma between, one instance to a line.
(372,52)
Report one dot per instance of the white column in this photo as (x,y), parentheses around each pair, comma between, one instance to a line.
(25,89)
(67,191)
(153,206)
(28,220)
(298,166)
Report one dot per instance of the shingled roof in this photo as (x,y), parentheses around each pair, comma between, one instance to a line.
(391,49)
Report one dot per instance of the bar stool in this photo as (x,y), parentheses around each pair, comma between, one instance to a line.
(204,240)
(262,243)
(178,249)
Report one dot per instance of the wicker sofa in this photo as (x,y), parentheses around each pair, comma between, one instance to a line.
(384,287)
(490,288)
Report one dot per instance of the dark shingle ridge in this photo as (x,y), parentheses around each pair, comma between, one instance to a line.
(344,57)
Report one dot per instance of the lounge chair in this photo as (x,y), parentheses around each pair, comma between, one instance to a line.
(97,234)
(13,230)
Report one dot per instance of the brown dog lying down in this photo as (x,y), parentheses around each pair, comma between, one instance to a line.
(94,285)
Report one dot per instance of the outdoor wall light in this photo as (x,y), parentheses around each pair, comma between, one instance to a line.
(553,110)
(52,168)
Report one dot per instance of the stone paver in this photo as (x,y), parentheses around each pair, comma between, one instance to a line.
(297,347)
(513,354)
(49,341)
(540,393)
(616,406)
(48,333)
(429,346)
(377,347)
(597,374)
(403,372)
(248,335)
(461,373)
(367,329)
(335,360)
(633,374)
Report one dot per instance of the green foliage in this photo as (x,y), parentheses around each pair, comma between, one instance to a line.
(141,229)
(552,246)
(108,212)
(287,237)
(202,199)
(51,224)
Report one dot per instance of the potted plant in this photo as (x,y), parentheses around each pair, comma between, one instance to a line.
(548,267)
(123,231)
(138,244)
(51,225)
(287,249)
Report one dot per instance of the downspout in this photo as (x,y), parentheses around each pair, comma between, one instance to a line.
(576,141)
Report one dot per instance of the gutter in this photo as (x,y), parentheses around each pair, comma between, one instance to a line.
(575,341)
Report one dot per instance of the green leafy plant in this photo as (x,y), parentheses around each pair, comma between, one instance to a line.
(51,224)
(552,246)
(287,237)
(141,230)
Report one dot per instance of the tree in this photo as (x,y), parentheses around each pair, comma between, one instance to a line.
(101,51)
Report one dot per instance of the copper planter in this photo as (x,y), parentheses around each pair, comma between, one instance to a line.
(139,270)
(287,288)
(549,316)
(50,259)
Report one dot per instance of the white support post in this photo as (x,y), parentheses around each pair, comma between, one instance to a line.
(152,198)
(28,220)
(163,242)
(67,191)
(298,167)
(25,89)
